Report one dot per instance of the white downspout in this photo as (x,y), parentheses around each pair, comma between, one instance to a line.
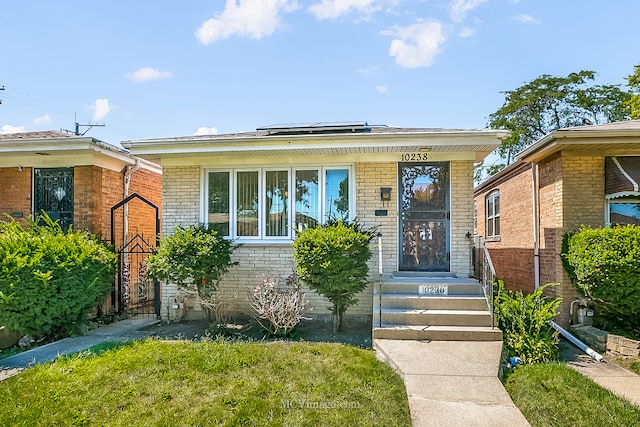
(536,229)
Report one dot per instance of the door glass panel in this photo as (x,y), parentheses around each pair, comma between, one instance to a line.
(624,213)
(218,214)
(424,217)
(53,194)
(307,199)
(337,194)
(277,203)
(247,203)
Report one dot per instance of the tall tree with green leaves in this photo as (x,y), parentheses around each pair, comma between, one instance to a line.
(547,103)
(633,81)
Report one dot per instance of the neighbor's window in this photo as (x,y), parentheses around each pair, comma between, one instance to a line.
(493,215)
(624,212)
(271,203)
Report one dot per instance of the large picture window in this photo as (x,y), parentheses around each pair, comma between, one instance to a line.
(271,203)
(493,215)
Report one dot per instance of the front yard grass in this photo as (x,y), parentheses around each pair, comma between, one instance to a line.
(169,383)
(553,394)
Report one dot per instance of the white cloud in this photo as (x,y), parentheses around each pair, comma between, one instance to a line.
(206,131)
(382,88)
(247,18)
(146,74)
(458,9)
(526,19)
(417,44)
(100,109)
(42,120)
(367,70)
(467,32)
(514,1)
(331,9)
(12,129)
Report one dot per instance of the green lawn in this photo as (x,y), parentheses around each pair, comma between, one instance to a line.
(166,383)
(553,394)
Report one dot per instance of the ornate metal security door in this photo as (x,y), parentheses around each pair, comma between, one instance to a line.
(53,194)
(424,216)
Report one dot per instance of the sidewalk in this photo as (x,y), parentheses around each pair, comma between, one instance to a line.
(452,383)
(124,330)
(614,378)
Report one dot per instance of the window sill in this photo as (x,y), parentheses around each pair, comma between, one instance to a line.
(492,239)
(263,242)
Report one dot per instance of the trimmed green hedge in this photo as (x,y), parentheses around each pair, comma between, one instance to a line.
(604,264)
(51,279)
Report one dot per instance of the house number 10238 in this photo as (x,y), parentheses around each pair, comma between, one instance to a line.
(414,157)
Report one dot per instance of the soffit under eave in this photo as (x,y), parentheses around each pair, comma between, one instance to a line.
(581,146)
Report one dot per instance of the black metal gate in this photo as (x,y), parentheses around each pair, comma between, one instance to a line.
(135,292)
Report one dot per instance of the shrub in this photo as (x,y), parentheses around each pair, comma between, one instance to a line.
(194,258)
(51,279)
(605,266)
(278,308)
(524,321)
(332,260)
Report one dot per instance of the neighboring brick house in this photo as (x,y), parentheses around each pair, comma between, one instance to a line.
(414,185)
(77,180)
(585,175)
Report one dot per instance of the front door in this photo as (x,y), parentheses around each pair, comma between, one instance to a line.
(424,216)
(53,194)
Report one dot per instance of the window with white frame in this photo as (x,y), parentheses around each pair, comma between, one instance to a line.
(493,215)
(624,211)
(269,203)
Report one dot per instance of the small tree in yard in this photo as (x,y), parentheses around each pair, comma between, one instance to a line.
(51,279)
(332,260)
(194,258)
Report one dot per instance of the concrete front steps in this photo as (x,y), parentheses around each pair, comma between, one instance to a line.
(437,307)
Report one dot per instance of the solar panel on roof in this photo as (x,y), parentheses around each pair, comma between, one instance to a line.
(318,127)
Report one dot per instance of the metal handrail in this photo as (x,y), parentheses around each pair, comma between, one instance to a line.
(379,235)
(484,271)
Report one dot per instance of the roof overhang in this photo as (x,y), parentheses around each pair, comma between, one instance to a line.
(615,139)
(381,141)
(67,152)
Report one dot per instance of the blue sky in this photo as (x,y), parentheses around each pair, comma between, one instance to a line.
(165,68)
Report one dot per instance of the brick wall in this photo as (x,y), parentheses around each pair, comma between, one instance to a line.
(571,194)
(16,192)
(583,203)
(461,217)
(181,206)
(512,253)
(87,200)
(142,217)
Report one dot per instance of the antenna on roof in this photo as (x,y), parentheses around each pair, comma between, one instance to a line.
(78,125)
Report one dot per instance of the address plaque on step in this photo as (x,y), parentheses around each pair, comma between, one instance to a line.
(433,289)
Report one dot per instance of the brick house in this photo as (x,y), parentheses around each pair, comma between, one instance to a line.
(586,175)
(77,180)
(414,185)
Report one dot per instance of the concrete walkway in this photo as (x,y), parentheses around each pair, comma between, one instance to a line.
(452,383)
(124,330)
(614,378)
